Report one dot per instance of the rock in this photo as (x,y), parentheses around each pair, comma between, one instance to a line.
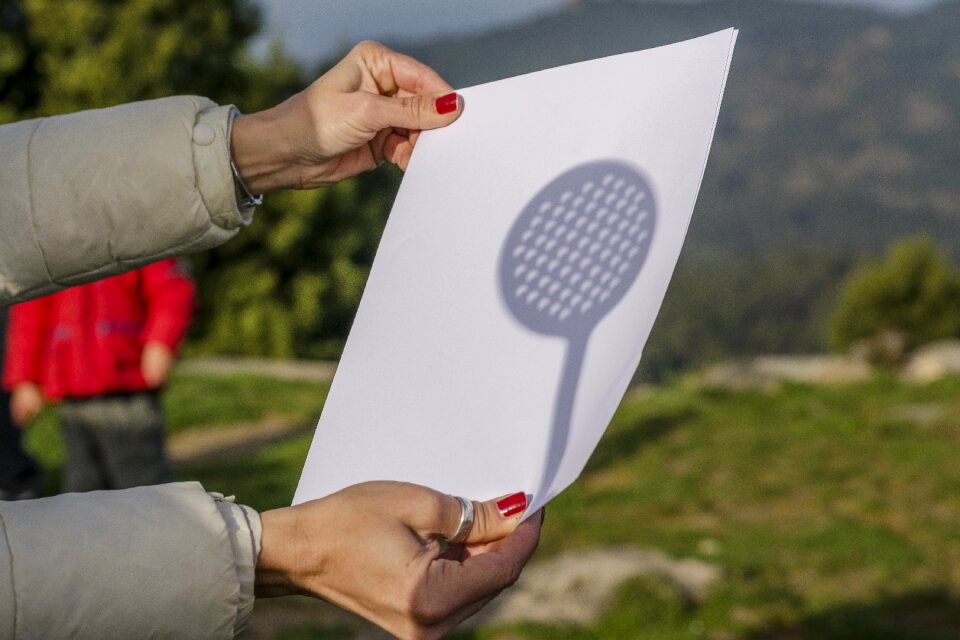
(767,372)
(921,414)
(933,362)
(577,587)
(736,376)
(887,349)
(814,369)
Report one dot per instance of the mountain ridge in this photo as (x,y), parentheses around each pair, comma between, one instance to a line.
(820,100)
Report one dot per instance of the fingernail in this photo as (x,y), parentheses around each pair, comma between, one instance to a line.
(447,103)
(512,504)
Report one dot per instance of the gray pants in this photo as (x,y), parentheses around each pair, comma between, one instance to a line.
(113,442)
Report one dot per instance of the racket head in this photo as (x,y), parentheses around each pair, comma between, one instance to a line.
(577,247)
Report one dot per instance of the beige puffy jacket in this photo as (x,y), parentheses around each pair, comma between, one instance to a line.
(82,197)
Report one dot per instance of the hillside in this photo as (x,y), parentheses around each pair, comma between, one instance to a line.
(830,511)
(839,126)
(838,134)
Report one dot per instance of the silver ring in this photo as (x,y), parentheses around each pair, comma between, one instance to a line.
(466,521)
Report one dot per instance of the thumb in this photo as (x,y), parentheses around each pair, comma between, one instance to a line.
(417,112)
(496,519)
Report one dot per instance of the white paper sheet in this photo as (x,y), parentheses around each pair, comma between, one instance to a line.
(457,377)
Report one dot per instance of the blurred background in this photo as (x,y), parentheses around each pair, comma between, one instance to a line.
(785,466)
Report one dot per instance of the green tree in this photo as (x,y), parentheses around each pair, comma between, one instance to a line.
(19,85)
(95,53)
(914,292)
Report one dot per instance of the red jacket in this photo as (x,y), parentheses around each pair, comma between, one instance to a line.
(87,340)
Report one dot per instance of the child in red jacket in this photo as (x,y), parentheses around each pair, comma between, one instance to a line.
(104,349)
(20,476)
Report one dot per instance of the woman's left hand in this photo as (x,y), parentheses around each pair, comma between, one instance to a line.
(374,549)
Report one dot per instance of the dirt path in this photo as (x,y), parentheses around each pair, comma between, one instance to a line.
(231,441)
(309,370)
(245,438)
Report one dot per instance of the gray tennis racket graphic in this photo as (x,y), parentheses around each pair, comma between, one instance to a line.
(570,257)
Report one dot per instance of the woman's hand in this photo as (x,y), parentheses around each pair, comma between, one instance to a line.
(367,109)
(375,549)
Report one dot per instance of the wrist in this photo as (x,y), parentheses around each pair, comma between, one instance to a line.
(259,154)
(276,570)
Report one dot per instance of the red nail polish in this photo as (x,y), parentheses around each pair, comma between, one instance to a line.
(447,103)
(512,504)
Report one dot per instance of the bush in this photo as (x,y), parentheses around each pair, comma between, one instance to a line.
(914,292)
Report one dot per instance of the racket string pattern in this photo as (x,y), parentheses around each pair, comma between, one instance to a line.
(575,252)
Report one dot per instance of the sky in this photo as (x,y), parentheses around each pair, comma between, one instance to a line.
(312,30)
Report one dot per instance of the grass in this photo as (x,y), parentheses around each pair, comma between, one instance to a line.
(819,503)
(264,481)
(833,513)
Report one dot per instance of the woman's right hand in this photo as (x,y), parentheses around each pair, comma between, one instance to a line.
(367,109)
(26,402)
(375,549)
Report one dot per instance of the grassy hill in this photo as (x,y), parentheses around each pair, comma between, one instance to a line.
(832,511)
(838,134)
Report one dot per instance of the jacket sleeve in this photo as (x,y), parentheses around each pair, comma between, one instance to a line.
(96,193)
(169,295)
(169,561)
(25,336)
